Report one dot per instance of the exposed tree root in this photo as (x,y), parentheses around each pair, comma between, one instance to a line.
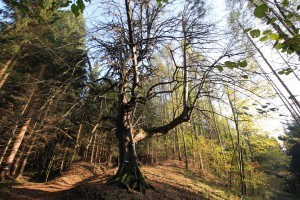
(131,183)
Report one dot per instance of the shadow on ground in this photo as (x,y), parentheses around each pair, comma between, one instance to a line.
(95,189)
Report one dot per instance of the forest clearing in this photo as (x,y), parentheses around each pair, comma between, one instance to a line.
(149,99)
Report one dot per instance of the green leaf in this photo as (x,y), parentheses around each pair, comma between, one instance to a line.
(288,22)
(290,51)
(283,35)
(270,21)
(292,41)
(260,11)
(220,68)
(262,39)
(255,33)
(42,4)
(21,7)
(245,76)
(278,46)
(274,36)
(281,72)
(282,138)
(243,63)
(165,1)
(291,15)
(287,72)
(247,30)
(66,4)
(267,32)
(285,3)
(230,64)
(80,5)
(159,5)
(75,10)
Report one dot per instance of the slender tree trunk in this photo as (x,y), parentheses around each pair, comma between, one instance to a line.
(157,152)
(24,160)
(4,74)
(184,148)
(3,153)
(17,160)
(102,148)
(6,170)
(93,149)
(148,152)
(77,143)
(174,145)
(239,146)
(290,107)
(292,96)
(194,151)
(152,153)
(4,68)
(166,147)
(86,151)
(63,160)
(50,164)
(97,150)
(3,80)
(201,161)
(178,145)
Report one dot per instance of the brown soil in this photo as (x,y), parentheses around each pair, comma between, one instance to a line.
(82,181)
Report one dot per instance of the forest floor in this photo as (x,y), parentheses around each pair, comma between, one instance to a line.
(84,181)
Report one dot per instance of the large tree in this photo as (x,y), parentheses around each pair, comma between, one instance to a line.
(129,35)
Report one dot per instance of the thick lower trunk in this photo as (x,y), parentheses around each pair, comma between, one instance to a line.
(129,174)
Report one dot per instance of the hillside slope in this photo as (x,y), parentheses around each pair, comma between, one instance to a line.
(82,181)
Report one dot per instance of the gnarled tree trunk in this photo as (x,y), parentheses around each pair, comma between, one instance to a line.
(129,173)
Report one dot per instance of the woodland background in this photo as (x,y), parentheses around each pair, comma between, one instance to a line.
(148,82)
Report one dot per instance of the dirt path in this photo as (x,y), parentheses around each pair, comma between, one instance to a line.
(79,174)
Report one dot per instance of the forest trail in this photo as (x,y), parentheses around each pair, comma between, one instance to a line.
(78,174)
(82,181)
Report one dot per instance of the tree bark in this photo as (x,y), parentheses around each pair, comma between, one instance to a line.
(185,148)
(76,148)
(178,145)
(3,72)
(5,149)
(239,146)
(24,160)
(201,161)
(17,160)
(6,170)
